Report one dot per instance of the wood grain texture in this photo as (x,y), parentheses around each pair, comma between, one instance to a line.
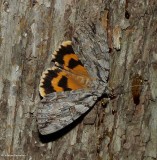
(31,30)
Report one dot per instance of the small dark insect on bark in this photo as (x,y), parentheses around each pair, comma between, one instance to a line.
(136,88)
(127,14)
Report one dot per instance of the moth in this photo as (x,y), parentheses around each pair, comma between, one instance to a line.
(75,81)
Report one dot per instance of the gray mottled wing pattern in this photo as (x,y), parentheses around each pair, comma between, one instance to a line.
(60,109)
(93,51)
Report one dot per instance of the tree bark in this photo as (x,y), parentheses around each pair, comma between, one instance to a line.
(127,127)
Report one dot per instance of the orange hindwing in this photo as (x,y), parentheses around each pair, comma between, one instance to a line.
(67,74)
